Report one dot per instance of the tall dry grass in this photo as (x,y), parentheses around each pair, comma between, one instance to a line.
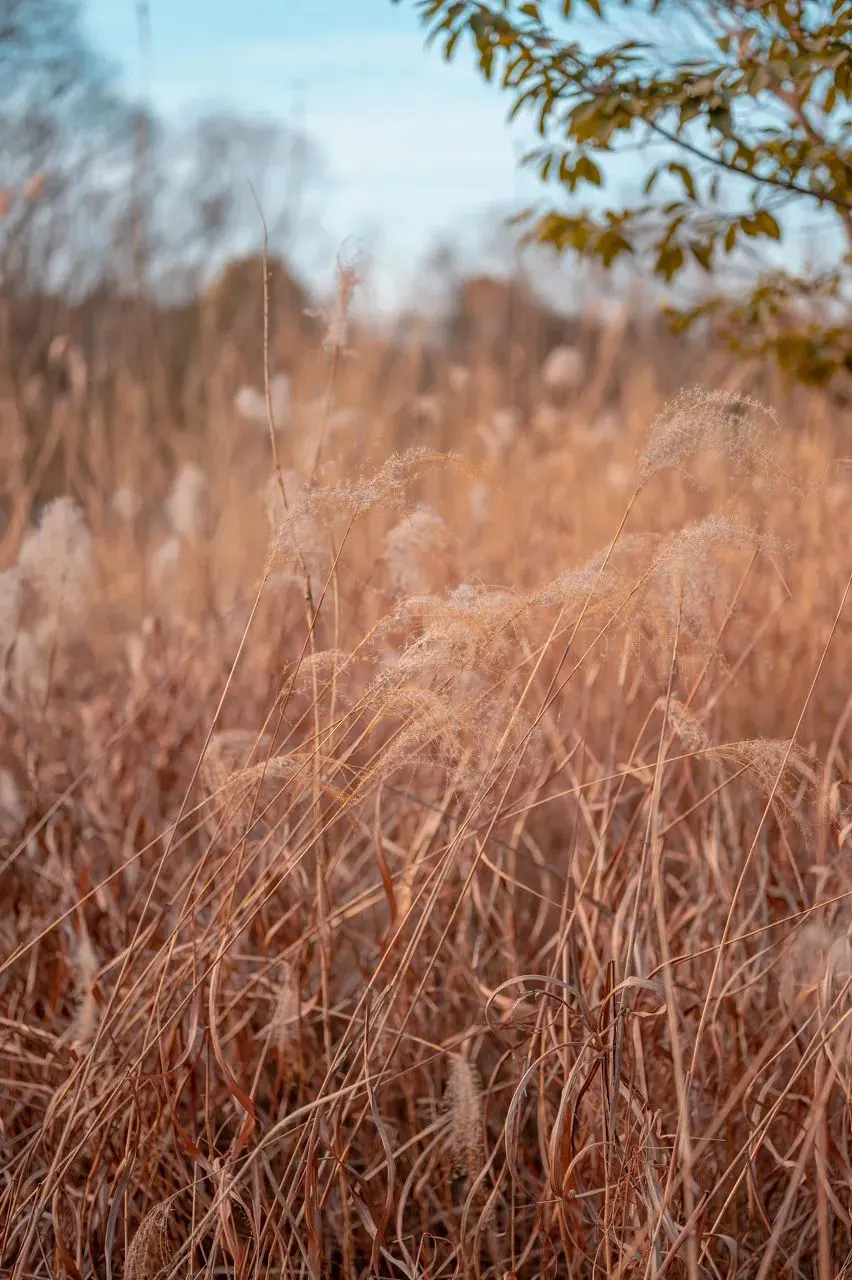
(426,843)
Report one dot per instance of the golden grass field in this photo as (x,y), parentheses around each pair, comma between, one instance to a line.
(426,841)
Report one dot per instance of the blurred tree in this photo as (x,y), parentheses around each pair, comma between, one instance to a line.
(222,167)
(66,143)
(738,112)
(90,180)
(113,224)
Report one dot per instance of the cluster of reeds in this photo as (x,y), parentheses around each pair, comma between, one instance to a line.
(431,861)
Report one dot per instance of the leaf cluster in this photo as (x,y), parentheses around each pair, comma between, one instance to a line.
(740,112)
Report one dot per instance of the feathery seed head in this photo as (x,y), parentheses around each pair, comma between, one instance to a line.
(684,722)
(478,496)
(56,560)
(250,403)
(733,426)
(563,369)
(30,666)
(185,502)
(86,967)
(314,513)
(500,433)
(464,1095)
(150,1251)
(547,420)
(619,477)
(13,808)
(165,560)
(337,316)
(458,377)
(126,503)
(607,427)
(11,603)
(427,410)
(410,544)
(817,956)
(285,1017)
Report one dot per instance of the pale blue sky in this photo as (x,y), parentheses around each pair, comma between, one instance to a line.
(412,146)
(414,150)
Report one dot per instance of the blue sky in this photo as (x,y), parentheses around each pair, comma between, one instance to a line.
(412,147)
(414,150)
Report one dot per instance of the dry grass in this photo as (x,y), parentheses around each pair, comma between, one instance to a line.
(458,883)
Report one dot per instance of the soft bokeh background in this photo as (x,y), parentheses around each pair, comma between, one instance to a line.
(402,836)
(411,147)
